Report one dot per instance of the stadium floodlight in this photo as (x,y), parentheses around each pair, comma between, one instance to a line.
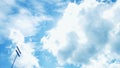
(18,53)
(18,50)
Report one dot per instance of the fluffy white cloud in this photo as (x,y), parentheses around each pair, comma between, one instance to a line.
(105,59)
(83,32)
(20,19)
(27,58)
(25,23)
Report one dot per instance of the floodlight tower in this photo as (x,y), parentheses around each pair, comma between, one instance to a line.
(18,53)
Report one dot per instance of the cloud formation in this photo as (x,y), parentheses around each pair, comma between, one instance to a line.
(27,58)
(86,35)
(83,32)
(21,19)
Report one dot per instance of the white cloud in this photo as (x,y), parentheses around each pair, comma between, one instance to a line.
(4,9)
(27,23)
(27,58)
(19,22)
(24,20)
(79,36)
(82,33)
(111,12)
(104,59)
(23,23)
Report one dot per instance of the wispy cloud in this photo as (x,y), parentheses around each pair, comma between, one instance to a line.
(27,58)
(20,19)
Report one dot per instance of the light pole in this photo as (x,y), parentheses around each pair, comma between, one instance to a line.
(18,52)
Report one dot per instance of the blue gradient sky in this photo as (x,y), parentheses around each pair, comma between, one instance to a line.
(60,33)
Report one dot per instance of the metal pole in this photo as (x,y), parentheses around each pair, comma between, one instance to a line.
(14,61)
(18,52)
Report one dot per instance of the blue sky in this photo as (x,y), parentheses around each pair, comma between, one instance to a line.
(60,33)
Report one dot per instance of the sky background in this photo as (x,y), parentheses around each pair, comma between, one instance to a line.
(60,33)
